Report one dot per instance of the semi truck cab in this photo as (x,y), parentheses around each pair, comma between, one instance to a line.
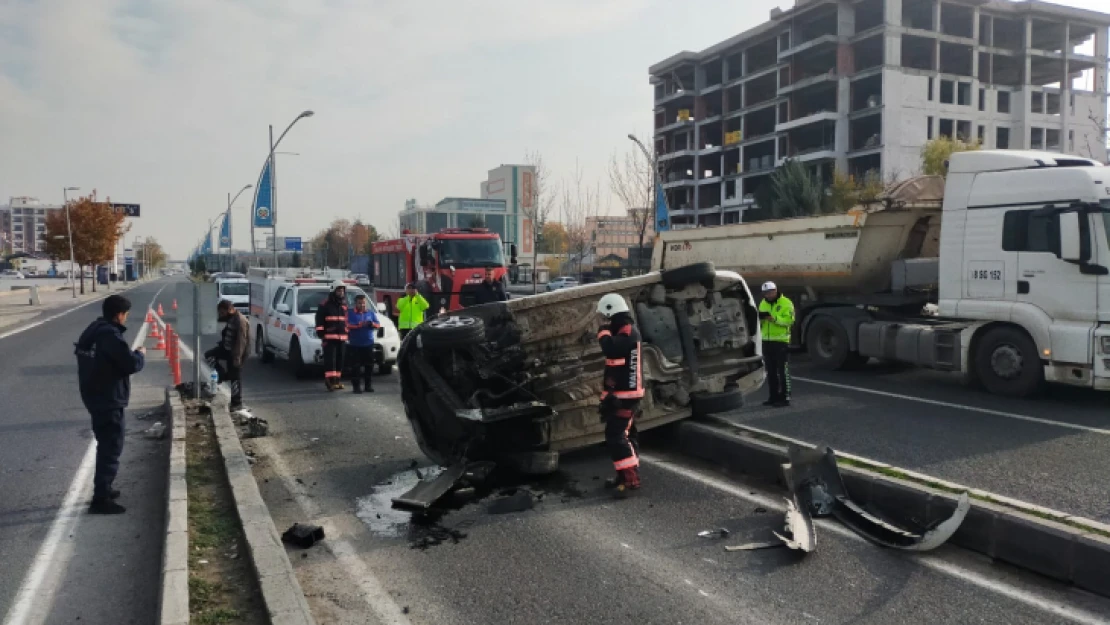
(1024,249)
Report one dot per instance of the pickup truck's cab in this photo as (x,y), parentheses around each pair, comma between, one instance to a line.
(286,328)
(1024,249)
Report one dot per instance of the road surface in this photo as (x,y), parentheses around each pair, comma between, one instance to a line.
(109,567)
(336,459)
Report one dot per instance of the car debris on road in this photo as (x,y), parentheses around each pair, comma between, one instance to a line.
(817,490)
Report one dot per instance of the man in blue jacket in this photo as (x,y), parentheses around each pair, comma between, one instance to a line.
(105,363)
(362,325)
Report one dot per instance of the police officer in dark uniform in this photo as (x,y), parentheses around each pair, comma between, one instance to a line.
(622,390)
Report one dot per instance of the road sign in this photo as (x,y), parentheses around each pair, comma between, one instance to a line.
(128,210)
(293,244)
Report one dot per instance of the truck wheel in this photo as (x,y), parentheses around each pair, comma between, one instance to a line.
(696,273)
(1007,363)
(453,331)
(296,360)
(705,404)
(385,368)
(260,350)
(828,346)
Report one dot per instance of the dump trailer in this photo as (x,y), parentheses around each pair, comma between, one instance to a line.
(999,273)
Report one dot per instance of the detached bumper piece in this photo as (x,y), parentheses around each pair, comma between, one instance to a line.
(817,490)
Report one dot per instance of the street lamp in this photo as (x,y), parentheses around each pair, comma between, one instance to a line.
(273,176)
(69,228)
(654,161)
(230,202)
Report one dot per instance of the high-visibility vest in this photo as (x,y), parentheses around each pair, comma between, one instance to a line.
(777,328)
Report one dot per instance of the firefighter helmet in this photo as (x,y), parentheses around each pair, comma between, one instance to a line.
(612,304)
(338,284)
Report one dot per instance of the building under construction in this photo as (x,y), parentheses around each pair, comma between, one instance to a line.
(860,86)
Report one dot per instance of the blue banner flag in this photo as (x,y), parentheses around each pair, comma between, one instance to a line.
(225,231)
(263,209)
(206,247)
(662,216)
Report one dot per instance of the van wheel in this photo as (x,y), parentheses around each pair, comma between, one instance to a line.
(705,404)
(697,273)
(265,355)
(828,346)
(447,332)
(296,360)
(1007,363)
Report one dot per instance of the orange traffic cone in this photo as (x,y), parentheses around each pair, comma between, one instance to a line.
(161,342)
(161,312)
(175,304)
(154,333)
(149,316)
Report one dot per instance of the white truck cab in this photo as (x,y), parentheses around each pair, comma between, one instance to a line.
(283,316)
(1024,248)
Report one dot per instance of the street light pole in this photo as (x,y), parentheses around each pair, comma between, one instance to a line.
(658,181)
(69,229)
(273,177)
(230,201)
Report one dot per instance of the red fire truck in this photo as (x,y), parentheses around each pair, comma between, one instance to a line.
(446,267)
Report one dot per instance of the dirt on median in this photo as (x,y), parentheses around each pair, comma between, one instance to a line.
(222,583)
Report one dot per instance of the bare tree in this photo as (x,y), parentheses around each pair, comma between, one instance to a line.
(632,180)
(536,201)
(580,204)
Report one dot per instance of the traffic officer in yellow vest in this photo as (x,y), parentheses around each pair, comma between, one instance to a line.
(776,317)
(622,389)
(410,310)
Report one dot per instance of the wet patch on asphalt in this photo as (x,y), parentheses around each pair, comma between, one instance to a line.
(502,492)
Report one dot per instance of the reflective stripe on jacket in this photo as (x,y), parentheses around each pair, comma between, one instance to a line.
(331,319)
(411,311)
(623,373)
(777,328)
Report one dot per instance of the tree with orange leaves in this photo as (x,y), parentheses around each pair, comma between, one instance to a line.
(96,231)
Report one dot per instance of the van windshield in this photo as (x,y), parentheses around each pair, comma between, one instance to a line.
(471,253)
(309,300)
(235,288)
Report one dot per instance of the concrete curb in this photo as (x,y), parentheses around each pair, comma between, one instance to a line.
(281,591)
(174,596)
(1062,552)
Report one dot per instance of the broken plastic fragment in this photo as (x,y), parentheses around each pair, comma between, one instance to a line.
(717,533)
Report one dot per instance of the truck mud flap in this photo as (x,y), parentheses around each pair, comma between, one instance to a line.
(817,489)
(423,496)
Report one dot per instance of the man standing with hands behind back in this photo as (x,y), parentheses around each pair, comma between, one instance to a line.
(776,318)
(105,364)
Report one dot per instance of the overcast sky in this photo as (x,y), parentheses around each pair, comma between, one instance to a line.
(166,103)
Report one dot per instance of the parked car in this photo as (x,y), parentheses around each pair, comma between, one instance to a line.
(520,381)
(12,274)
(565,282)
(361,279)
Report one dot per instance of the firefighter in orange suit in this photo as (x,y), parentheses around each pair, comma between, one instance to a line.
(622,389)
(331,327)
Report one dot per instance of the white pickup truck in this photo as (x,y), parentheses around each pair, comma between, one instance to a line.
(283,317)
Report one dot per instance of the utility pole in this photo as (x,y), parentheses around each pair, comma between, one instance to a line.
(69,228)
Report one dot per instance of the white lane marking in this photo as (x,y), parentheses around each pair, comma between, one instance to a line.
(35,598)
(947,404)
(373,592)
(61,314)
(1027,597)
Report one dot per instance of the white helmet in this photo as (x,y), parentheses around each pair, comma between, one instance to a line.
(769,286)
(612,304)
(338,284)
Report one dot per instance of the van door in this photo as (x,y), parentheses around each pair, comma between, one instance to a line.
(284,327)
(273,321)
(1056,287)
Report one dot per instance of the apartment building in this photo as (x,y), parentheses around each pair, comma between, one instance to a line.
(23,225)
(618,235)
(860,86)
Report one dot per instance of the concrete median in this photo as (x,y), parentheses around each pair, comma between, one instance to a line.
(1052,543)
